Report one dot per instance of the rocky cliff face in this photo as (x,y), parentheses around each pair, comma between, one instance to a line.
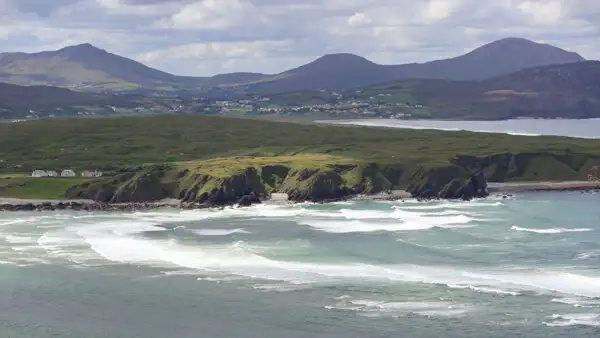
(251,184)
(464,177)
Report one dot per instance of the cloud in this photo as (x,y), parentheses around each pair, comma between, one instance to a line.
(545,12)
(204,37)
(214,14)
(359,20)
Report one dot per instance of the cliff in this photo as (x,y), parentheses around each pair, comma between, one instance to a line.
(303,178)
(318,178)
(466,177)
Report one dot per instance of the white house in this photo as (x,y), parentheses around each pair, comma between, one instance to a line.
(68,173)
(39,173)
(51,173)
(95,173)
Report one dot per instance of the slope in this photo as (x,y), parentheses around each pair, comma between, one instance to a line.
(86,67)
(493,59)
(566,91)
(345,71)
(200,158)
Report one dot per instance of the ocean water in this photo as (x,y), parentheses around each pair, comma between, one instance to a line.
(589,128)
(522,267)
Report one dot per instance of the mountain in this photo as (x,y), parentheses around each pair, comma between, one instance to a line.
(87,67)
(555,91)
(493,59)
(335,71)
(343,71)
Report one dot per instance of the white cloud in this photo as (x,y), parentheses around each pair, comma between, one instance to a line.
(545,12)
(359,20)
(439,9)
(198,37)
(214,14)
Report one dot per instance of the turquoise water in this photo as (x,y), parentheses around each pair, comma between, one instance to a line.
(589,128)
(527,266)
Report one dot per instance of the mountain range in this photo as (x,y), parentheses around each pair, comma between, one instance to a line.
(557,91)
(88,68)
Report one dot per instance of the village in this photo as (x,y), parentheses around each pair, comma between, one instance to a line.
(334,104)
(66,173)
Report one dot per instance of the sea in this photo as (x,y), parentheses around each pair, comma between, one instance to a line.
(584,128)
(523,266)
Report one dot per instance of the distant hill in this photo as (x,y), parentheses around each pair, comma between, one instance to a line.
(566,91)
(15,97)
(333,71)
(85,67)
(493,59)
(343,71)
(17,102)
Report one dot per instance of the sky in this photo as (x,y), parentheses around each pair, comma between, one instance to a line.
(207,37)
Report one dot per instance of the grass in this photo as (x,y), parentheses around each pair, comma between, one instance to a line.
(36,188)
(125,141)
(224,167)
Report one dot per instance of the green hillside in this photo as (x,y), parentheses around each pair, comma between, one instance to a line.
(559,91)
(124,141)
(218,161)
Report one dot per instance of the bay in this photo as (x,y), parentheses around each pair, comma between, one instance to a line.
(589,128)
(527,266)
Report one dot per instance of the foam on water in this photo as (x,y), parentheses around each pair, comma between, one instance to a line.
(14,239)
(550,231)
(332,249)
(578,302)
(398,220)
(575,319)
(243,259)
(485,290)
(451,205)
(588,255)
(219,232)
(386,308)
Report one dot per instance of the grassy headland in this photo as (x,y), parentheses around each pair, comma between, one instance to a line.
(194,150)
(36,188)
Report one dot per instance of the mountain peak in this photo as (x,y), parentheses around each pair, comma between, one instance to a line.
(524,46)
(345,57)
(81,47)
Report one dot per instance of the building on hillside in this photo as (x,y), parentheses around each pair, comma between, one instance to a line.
(95,173)
(51,173)
(39,173)
(68,173)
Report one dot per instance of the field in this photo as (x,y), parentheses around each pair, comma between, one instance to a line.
(35,188)
(118,142)
(313,161)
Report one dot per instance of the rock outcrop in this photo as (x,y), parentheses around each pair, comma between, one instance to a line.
(464,177)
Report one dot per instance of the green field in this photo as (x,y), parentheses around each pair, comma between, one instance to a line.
(167,156)
(36,188)
(126,141)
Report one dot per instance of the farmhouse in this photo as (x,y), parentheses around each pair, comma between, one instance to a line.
(39,173)
(95,173)
(68,173)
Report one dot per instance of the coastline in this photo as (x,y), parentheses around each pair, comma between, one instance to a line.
(515,126)
(542,186)
(17,204)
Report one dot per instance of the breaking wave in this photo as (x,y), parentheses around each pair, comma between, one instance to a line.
(550,231)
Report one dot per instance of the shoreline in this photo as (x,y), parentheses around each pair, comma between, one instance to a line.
(467,126)
(542,186)
(8,204)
